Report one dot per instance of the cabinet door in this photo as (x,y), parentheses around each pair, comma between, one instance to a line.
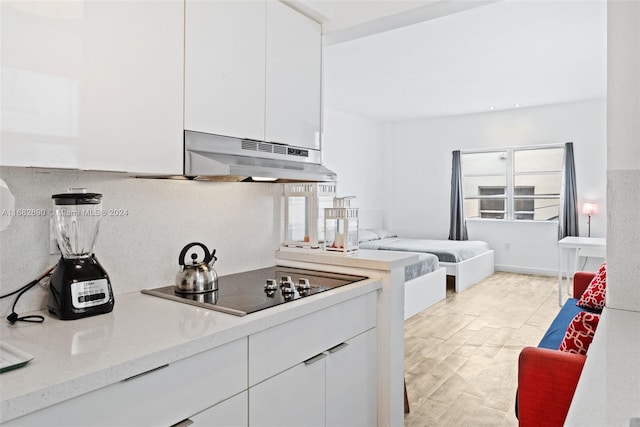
(41,70)
(294,45)
(224,67)
(131,108)
(352,388)
(232,412)
(295,397)
(93,85)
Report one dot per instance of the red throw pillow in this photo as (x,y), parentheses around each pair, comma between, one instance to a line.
(594,296)
(580,333)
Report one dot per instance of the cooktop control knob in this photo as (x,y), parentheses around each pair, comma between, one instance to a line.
(288,287)
(284,280)
(303,284)
(271,285)
(304,292)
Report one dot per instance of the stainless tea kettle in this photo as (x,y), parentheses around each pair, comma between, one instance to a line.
(197,277)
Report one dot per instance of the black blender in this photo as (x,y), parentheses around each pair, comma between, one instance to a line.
(80,287)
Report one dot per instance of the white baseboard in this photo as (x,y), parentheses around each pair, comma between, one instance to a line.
(526,270)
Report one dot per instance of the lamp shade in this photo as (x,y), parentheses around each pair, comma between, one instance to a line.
(590,209)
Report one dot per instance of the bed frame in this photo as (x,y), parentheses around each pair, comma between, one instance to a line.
(470,271)
(424,291)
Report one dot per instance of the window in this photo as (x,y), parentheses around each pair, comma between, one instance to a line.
(513,183)
(496,207)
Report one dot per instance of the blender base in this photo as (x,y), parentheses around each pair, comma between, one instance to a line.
(79,288)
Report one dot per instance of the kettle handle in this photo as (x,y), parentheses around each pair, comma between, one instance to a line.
(183,253)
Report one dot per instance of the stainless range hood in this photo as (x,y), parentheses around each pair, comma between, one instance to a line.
(222,158)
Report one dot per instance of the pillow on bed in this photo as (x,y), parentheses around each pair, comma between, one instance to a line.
(384,234)
(367,236)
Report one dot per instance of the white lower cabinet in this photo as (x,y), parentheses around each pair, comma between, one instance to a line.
(160,397)
(292,398)
(230,413)
(352,388)
(337,387)
(281,347)
(317,370)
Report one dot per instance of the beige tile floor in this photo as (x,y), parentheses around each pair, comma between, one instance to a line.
(461,354)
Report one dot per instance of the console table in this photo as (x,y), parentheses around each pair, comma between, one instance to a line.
(580,247)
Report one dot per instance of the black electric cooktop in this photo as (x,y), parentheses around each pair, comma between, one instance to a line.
(251,291)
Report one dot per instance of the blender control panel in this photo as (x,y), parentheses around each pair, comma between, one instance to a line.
(90,293)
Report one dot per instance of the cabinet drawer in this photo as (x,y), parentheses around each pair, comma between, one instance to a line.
(163,396)
(283,346)
(233,412)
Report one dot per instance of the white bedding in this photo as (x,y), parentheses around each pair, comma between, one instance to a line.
(445,250)
(426,264)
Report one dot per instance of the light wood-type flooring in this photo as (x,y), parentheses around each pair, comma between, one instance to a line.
(461,354)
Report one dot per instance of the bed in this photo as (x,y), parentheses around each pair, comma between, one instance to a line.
(425,283)
(468,261)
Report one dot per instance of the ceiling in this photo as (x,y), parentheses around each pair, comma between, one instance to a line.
(399,60)
(337,15)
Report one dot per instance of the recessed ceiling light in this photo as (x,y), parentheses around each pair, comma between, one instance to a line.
(491,108)
(516,105)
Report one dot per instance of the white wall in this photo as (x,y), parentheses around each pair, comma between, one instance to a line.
(421,171)
(354,147)
(623,133)
(140,250)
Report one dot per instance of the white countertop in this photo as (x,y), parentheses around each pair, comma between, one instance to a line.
(608,392)
(363,258)
(141,333)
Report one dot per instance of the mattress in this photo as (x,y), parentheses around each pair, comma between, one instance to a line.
(425,265)
(446,250)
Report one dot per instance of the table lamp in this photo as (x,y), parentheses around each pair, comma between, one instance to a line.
(588,209)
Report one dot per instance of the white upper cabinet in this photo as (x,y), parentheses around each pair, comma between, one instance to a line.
(294,45)
(93,85)
(252,70)
(224,67)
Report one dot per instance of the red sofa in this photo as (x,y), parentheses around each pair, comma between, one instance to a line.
(547,377)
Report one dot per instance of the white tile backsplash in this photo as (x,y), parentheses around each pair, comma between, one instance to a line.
(140,248)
